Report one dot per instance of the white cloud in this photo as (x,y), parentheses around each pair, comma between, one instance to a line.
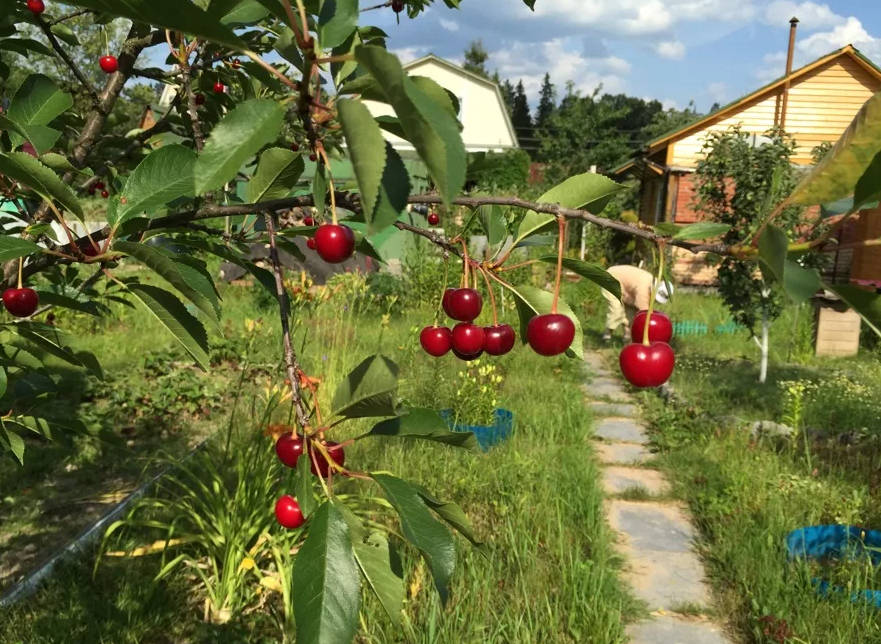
(670,49)
(669,104)
(526,62)
(718,92)
(811,15)
(449,25)
(851,32)
(409,54)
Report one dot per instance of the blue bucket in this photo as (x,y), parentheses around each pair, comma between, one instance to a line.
(487,435)
(818,542)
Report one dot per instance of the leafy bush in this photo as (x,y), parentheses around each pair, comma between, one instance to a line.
(503,171)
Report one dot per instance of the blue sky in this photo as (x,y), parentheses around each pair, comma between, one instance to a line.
(671,50)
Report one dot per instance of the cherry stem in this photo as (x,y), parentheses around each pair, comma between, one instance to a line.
(648,318)
(516,266)
(492,297)
(464,259)
(20,266)
(440,305)
(323,154)
(272,70)
(561,221)
(334,59)
(315,464)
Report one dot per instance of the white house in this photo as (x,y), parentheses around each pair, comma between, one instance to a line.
(482,112)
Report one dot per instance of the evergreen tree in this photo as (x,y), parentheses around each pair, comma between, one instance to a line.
(548,103)
(475,58)
(521,118)
(508,92)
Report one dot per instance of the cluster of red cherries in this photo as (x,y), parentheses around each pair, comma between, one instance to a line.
(548,335)
(289,448)
(649,365)
(99,185)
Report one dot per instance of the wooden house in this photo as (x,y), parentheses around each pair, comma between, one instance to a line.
(815,104)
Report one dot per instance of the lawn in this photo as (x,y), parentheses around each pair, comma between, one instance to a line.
(550,574)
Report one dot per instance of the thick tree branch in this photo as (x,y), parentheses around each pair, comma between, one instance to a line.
(290,357)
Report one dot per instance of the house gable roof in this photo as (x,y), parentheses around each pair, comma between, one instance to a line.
(672,137)
(431,58)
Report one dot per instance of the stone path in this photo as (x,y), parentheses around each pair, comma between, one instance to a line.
(655,536)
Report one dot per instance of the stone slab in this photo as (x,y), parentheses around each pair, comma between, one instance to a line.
(604,410)
(668,629)
(621,430)
(622,454)
(656,540)
(607,388)
(617,480)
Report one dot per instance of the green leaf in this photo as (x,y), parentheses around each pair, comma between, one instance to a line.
(531,301)
(453,515)
(305,491)
(246,12)
(367,149)
(319,187)
(336,22)
(596,274)
(175,274)
(369,391)
(14,443)
(277,173)
(70,298)
(421,529)
(868,188)
(286,46)
(15,247)
(169,14)
(24,46)
(493,224)
(801,284)
(4,381)
(836,176)
(263,276)
(588,191)
(381,566)
(238,137)
(696,232)
(432,130)
(57,162)
(174,316)
(165,175)
(438,94)
(773,246)
(38,101)
(32,333)
(12,126)
(327,582)
(424,424)
(65,34)
(29,171)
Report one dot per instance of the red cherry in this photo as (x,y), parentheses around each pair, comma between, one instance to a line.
(647,366)
(660,327)
(308,221)
(289,448)
(92,190)
(105,194)
(336,452)
(21,302)
(445,301)
(313,157)
(295,147)
(28,148)
(398,6)
(334,243)
(36,7)
(465,358)
(436,340)
(109,64)
(236,63)
(200,99)
(89,250)
(551,334)
(310,243)
(464,304)
(100,185)
(288,513)
(467,339)
(219,88)
(434,219)
(498,340)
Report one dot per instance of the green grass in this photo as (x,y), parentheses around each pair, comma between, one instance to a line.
(551,574)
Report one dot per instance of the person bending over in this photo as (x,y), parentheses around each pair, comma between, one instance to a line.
(636,293)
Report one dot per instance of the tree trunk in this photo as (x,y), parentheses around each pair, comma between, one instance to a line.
(766,327)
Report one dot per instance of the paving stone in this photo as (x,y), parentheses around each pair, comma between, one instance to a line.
(656,540)
(667,629)
(594,362)
(603,409)
(607,388)
(621,479)
(622,453)
(621,430)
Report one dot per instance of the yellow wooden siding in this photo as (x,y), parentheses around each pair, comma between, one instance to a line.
(821,106)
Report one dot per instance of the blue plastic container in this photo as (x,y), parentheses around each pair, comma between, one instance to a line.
(821,541)
(487,435)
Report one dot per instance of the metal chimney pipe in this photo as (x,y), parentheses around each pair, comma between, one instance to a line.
(793,27)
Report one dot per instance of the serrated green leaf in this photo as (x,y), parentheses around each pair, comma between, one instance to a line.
(238,137)
(868,188)
(31,333)
(596,274)
(695,232)
(29,171)
(38,101)
(65,34)
(424,424)
(12,126)
(773,246)
(4,381)
(328,595)
(438,94)
(421,529)
(174,273)
(866,303)
(493,223)
(246,12)
(14,443)
(588,191)
(367,149)
(286,46)
(165,175)
(277,173)
(174,316)
(336,22)
(305,489)
(14,356)
(69,299)
(263,276)
(15,247)
(180,16)
(57,162)
(432,130)
(801,284)
(453,515)
(381,566)
(24,46)
(531,301)
(369,391)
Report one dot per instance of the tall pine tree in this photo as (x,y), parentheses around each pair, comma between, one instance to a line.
(548,103)
(521,118)
(475,58)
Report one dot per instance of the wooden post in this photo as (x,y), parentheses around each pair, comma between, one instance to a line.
(793,27)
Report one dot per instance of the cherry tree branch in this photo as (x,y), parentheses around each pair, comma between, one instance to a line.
(47,31)
(290,356)
(70,16)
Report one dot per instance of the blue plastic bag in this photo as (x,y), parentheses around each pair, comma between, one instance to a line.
(487,435)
